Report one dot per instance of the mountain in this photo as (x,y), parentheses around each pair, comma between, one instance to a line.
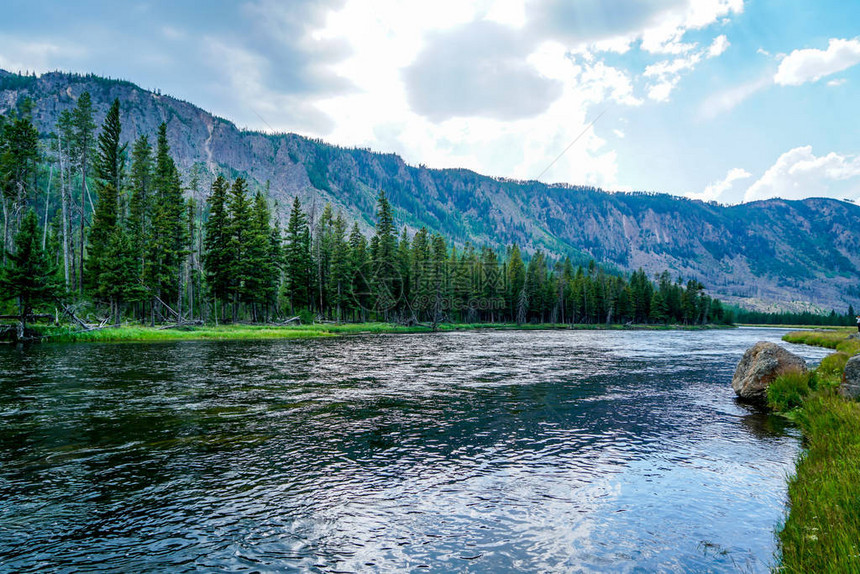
(767,255)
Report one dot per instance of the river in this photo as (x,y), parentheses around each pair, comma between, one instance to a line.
(480,451)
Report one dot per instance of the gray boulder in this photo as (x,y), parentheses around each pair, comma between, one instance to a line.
(850,387)
(760,365)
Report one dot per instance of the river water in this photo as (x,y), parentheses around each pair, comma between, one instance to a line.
(554,451)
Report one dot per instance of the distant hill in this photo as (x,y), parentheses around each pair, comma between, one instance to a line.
(766,255)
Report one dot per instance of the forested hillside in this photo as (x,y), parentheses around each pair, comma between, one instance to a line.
(768,255)
(118,237)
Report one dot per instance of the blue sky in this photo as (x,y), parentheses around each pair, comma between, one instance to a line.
(726,100)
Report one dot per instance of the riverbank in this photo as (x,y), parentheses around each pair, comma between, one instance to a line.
(822,530)
(138,333)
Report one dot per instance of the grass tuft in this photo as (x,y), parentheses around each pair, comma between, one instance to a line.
(788,390)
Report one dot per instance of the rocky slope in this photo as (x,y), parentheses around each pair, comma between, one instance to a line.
(768,254)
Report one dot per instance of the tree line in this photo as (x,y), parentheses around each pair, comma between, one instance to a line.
(95,221)
(832,319)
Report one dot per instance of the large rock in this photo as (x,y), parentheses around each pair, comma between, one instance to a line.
(850,386)
(760,365)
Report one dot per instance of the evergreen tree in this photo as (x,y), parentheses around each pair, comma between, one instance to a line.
(216,257)
(19,156)
(659,308)
(421,275)
(168,237)
(108,175)
(29,276)
(386,282)
(262,271)
(492,283)
(358,264)
(517,295)
(239,222)
(340,274)
(297,260)
(139,216)
(438,278)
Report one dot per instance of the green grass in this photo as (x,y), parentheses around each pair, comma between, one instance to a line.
(788,390)
(835,339)
(137,333)
(822,530)
(133,333)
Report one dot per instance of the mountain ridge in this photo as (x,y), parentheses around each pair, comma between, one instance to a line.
(771,254)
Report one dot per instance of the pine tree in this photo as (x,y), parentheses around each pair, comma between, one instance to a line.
(322,256)
(139,216)
(340,273)
(492,284)
(118,275)
(386,282)
(262,271)
(517,296)
(438,278)
(659,308)
(358,264)
(238,231)
(168,237)
(108,175)
(420,275)
(216,256)
(297,260)
(19,155)
(29,276)
(404,271)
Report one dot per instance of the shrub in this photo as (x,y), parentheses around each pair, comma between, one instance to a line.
(788,390)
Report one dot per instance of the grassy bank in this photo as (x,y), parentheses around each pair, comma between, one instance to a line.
(831,339)
(137,333)
(822,530)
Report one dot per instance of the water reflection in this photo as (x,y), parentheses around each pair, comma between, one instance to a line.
(561,451)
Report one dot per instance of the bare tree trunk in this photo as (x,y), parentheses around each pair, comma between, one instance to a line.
(5,228)
(65,202)
(81,240)
(47,202)
(179,301)
(191,292)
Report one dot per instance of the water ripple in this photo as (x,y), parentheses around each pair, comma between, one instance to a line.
(474,451)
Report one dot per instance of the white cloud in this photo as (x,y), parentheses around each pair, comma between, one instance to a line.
(810,65)
(728,100)
(837,82)
(247,73)
(478,69)
(719,46)
(799,173)
(33,55)
(667,74)
(666,37)
(600,82)
(719,190)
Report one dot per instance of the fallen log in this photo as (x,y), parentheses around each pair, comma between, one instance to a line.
(71,314)
(166,306)
(197,323)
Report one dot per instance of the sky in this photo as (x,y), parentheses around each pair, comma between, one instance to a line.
(719,100)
